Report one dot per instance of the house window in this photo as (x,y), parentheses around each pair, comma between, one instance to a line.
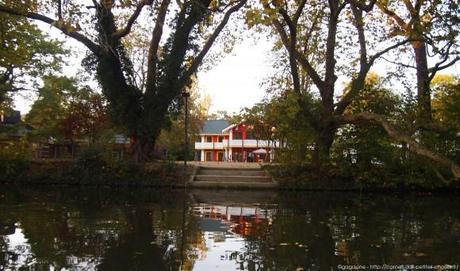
(237,135)
(209,139)
(250,134)
(221,139)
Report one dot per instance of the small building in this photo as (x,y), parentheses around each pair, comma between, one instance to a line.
(12,128)
(222,141)
(11,117)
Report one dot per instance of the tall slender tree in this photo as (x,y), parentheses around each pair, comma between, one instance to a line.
(345,35)
(433,28)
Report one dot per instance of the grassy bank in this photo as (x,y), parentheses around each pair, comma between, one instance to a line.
(305,177)
(93,169)
(78,172)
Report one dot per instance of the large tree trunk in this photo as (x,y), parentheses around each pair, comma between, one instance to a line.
(326,130)
(323,144)
(423,82)
(143,148)
(424,116)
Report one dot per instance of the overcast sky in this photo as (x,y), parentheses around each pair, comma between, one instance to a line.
(234,83)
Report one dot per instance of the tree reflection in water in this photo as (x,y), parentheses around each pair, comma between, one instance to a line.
(102,229)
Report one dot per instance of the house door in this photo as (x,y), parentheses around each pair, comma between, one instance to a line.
(220,156)
(208,156)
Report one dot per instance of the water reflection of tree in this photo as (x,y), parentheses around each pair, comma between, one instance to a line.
(394,230)
(158,238)
(115,234)
(319,232)
(3,253)
(129,230)
(290,242)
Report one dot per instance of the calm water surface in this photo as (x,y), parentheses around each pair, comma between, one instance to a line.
(141,229)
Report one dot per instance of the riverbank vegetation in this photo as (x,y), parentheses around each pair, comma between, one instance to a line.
(93,166)
(344,119)
(365,94)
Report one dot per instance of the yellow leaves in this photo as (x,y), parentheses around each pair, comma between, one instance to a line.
(443,79)
(256,17)
(66,27)
(214,5)
(58,24)
(253,17)
(382,3)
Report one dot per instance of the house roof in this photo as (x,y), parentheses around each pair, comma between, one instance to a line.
(11,117)
(214,126)
(228,128)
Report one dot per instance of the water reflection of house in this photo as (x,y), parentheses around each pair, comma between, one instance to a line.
(237,220)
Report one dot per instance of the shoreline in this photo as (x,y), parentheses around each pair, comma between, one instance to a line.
(170,175)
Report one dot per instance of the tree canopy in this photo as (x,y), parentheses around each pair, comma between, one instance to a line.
(193,28)
(26,53)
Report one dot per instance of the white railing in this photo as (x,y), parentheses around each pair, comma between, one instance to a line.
(236,143)
(209,146)
(250,143)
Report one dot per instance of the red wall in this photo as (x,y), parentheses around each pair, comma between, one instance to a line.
(241,128)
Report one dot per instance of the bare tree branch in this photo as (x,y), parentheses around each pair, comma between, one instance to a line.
(59,9)
(358,82)
(398,63)
(292,25)
(393,15)
(199,58)
(373,58)
(396,135)
(58,24)
(439,67)
(299,11)
(330,76)
(154,45)
(127,29)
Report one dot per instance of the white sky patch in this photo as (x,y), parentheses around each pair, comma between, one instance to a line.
(18,244)
(235,81)
(217,255)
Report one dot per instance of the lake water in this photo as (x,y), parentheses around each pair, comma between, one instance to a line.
(48,228)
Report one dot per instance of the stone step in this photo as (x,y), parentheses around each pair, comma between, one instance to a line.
(235,185)
(231,172)
(232,179)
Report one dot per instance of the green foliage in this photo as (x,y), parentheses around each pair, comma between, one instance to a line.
(64,110)
(368,145)
(171,138)
(274,120)
(48,110)
(91,162)
(26,54)
(446,111)
(13,160)
(363,155)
